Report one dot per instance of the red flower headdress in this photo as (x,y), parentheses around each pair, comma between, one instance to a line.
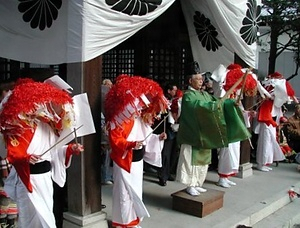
(131,94)
(30,102)
(275,75)
(234,74)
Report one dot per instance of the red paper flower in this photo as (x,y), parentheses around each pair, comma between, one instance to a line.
(234,74)
(30,101)
(129,95)
(276,75)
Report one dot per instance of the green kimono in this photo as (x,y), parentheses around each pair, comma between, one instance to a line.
(207,122)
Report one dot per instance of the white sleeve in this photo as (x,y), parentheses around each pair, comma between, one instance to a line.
(153,150)
(58,158)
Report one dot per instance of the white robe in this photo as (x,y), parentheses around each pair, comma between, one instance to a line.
(229,159)
(36,208)
(268,149)
(128,187)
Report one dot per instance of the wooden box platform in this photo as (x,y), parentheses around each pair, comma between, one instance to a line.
(200,206)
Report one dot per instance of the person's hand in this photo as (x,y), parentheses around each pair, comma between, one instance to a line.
(138,145)
(252,113)
(238,103)
(77,148)
(163,136)
(34,158)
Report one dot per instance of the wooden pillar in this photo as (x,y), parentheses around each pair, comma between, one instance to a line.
(245,146)
(84,175)
(245,168)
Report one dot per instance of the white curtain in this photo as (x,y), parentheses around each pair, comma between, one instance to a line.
(65,31)
(220,28)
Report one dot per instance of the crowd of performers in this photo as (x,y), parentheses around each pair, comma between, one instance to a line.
(202,122)
(143,123)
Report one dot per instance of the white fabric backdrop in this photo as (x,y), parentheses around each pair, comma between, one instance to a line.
(227,17)
(83,30)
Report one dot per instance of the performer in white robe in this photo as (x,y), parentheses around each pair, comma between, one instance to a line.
(36,207)
(268,149)
(229,157)
(32,117)
(131,106)
(128,207)
(223,79)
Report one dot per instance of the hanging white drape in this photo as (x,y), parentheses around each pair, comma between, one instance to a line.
(220,28)
(62,31)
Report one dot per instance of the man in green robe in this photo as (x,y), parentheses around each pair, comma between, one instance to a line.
(204,124)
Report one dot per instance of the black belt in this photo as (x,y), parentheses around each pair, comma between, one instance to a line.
(138,155)
(40,167)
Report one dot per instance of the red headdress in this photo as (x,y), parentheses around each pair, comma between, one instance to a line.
(131,94)
(234,74)
(275,75)
(30,102)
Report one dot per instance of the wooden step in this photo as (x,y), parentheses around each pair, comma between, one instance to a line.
(200,206)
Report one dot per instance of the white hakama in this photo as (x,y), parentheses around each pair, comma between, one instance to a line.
(229,159)
(188,174)
(268,149)
(127,194)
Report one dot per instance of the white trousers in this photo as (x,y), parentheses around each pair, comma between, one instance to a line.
(229,159)
(268,149)
(188,174)
(127,203)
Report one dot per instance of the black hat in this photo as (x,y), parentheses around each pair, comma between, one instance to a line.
(193,68)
